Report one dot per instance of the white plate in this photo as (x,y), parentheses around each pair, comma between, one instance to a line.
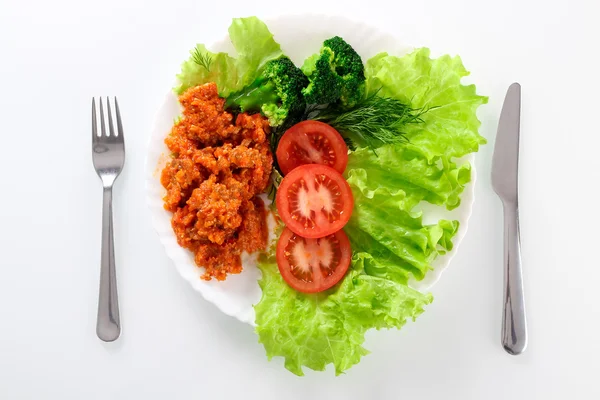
(299,36)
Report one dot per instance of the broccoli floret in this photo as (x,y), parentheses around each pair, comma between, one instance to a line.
(276,92)
(325,85)
(336,74)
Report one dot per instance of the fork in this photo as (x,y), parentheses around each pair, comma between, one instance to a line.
(108,154)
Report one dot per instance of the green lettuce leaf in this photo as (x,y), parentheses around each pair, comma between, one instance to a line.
(222,70)
(451,127)
(403,170)
(383,225)
(314,330)
(254,45)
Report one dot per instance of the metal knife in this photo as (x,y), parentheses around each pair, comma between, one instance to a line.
(505,174)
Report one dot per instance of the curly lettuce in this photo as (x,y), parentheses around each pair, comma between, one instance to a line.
(314,331)
(254,44)
(404,170)
(396,239)
(451,127)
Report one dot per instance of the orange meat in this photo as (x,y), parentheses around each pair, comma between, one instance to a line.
(217,169)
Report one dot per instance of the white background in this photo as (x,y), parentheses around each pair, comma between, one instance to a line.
(54,56)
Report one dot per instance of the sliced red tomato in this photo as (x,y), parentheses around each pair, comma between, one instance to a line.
(314,200)
(312,142)
(313,265)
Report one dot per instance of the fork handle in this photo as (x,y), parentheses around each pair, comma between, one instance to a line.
(514,324)
(108,327)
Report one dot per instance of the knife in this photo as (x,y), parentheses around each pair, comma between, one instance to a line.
(505,174)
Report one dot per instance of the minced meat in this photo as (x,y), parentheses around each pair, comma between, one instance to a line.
(218,168)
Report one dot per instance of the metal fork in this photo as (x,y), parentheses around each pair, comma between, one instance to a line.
(108,153)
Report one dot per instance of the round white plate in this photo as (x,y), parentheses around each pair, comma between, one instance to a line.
(299,36)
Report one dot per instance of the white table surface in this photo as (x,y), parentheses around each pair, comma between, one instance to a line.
(55,55)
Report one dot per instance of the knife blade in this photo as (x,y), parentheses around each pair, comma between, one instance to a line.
(505,162)
(505,171)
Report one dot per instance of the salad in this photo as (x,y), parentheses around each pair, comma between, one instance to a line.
(345,149)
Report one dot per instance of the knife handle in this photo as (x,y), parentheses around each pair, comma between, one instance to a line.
(514,324)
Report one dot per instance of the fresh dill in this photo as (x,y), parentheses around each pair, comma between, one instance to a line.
(373,122)
(202,59)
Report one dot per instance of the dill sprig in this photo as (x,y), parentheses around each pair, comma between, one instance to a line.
(202,59)
(373,122)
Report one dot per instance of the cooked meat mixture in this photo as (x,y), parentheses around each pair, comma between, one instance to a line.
(218,168)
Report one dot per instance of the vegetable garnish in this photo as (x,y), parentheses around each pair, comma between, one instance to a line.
(372,122)
(312,142)
(314,200)
(254,46)
(313,265)
(202,58)
(328,328)
(336,75)
(406,120)
(450,128)
(276,92)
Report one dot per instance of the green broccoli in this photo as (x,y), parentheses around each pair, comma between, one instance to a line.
(276,92)
(336,74)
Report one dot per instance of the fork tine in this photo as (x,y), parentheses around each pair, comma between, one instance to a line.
(111,129)
(119,124)
(102,128)
(94,122)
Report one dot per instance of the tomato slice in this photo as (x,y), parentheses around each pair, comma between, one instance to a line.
(314,200)
(311,142)
(313,265)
